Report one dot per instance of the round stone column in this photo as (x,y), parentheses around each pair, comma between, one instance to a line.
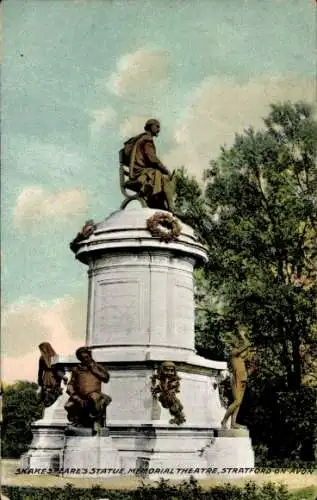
(140,288)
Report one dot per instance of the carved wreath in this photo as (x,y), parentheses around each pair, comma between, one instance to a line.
(163,226)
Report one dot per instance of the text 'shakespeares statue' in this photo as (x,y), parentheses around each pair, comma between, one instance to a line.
(166,384)
(143,173)
(239,355)
(87,405)
(49,377)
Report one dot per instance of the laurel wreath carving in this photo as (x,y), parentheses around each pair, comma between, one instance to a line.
(163,226)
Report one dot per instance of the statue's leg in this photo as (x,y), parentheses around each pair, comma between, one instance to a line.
(240,390)
(169,192)
(176,410)
(93,404)
(234,405)
(98,407)
(74,410)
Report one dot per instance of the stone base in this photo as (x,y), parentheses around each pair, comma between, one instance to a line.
(138,426)
(84,431)
(132,400)
(242,432)
(156,450)
(45,451)
(87,455)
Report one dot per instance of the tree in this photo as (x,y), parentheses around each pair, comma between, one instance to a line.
(257,214)
(21,407)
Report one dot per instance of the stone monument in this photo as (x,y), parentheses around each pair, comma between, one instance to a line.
(166,411)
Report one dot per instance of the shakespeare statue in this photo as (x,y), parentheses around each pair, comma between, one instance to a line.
(49,377)
(87,405)
(240,356)
(166,384)
(143,173)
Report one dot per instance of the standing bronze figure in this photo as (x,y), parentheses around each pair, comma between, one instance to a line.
(239,355)
(49,377)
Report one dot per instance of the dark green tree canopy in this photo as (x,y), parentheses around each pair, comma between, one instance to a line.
(257,214)
(21,407)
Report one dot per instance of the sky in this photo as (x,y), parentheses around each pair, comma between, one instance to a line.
(81,76)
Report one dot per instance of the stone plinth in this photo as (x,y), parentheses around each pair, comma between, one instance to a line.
(141,313)
(198,393)
(140,289)
(83,453)
(46,449)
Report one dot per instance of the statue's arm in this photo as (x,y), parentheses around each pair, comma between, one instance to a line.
(237,351)
(70,389)
(174,386)
(155,385)
(100,372)
(150,153)
(156,389)
(40,373)
(60,374)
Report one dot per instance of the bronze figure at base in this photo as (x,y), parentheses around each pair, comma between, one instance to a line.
(240,352)
(86,406)
(49,377)
(166,385)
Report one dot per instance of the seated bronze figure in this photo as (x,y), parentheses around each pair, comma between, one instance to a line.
(86,406)
(143,173)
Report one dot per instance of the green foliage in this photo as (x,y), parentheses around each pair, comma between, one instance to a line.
(189,490)
(21,407)
(257,214)
(296,416)
(308,493)
(282,423)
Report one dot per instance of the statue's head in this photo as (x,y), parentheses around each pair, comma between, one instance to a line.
(83,354)
(46,349)
(152,126)
(168,369)
(240,330)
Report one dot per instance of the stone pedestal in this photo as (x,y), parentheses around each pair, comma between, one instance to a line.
(88,455)
(46,449)
(141,313)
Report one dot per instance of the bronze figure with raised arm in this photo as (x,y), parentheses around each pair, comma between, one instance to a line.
(86,406)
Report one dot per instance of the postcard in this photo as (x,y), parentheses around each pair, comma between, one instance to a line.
(158,242)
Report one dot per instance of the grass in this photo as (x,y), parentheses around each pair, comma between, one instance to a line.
(299,484)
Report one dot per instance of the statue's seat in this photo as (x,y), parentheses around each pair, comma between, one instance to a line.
(132,185)
(126,185)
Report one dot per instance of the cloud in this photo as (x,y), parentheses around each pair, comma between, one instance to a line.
(139,71)
(35,204)
(133,125)
(220,107)
(101,117)
(36,161)
(27,324)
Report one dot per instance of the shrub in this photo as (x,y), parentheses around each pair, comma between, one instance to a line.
(163,490)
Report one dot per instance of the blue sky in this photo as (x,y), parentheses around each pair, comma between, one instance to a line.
(79,77)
